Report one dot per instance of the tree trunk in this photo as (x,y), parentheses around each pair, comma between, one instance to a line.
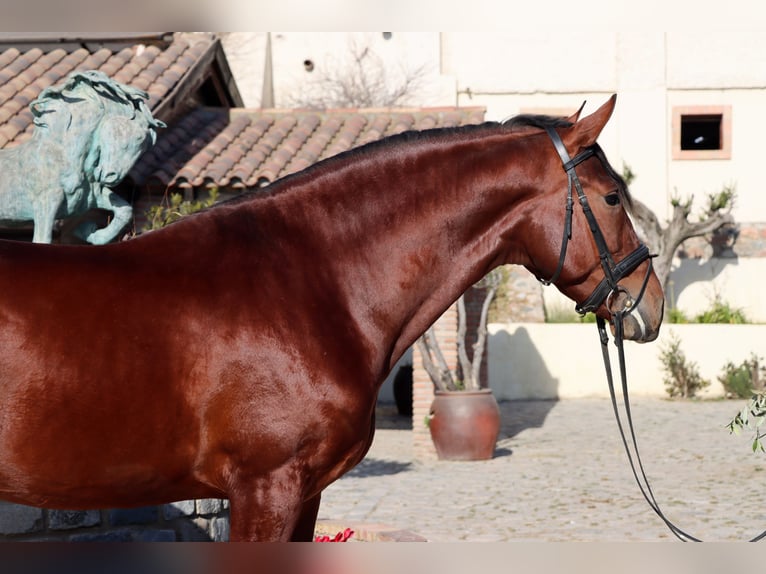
(664,241)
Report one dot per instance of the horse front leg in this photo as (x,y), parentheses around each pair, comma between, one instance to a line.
(45,216)
(267,509)
(122,215)
(306,525)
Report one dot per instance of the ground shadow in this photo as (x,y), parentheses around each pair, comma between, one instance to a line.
(517,369)
(525,387)
(695,270)
(387,417)
(377,467)
(518,416)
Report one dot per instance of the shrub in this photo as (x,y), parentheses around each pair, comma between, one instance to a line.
(721,312)
(742,380)
(566,314)
(558,313)
(682,378)
(675,315)
(175,208)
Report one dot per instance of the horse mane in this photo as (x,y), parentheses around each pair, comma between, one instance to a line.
(520,123)
(541,121)
(133,99)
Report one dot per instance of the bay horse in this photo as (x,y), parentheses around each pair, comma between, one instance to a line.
(238,353)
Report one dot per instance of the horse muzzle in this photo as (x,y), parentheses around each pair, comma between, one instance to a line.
(639,325)
(640,317)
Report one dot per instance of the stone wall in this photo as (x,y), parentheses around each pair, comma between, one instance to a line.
(188,521)
(520,299)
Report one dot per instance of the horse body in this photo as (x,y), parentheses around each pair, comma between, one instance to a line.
(238,352)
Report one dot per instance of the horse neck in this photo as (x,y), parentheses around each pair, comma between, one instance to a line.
(408,230)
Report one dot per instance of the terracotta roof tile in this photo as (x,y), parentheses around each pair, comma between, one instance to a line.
(228,149)
(24,74)
(8,56)
(245,148)
(112,66)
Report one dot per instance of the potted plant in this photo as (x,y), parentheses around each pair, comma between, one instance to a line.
(464,418)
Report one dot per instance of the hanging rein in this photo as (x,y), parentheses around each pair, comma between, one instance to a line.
(608,291)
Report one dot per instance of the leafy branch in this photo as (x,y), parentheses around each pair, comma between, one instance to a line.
(174,208)
(752,417)
(716,219)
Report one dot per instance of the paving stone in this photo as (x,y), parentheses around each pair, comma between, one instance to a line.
(125,516)
(69,519)
(156,535)
(19,519)
(560,474)
(111,536)
(209,506)
(219,529)
(178,509)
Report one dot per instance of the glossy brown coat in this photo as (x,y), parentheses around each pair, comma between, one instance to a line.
(238,353)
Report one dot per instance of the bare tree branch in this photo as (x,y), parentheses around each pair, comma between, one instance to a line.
(428,345)
(434,362)
(665,241)
(478,348)
(365,83)
(462,354)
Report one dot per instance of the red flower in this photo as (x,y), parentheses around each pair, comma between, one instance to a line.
(339,537)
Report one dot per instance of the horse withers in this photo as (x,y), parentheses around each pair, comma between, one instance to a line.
(238,353)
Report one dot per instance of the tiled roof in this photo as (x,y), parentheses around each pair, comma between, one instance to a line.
(236,149)
(231,149)
(26,69)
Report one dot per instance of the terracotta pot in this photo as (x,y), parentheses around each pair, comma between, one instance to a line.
(464,424)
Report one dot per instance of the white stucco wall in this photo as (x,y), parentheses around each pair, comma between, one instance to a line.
(550,361)
(694,285)
(401,54)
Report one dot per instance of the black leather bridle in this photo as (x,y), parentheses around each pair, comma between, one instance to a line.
(613,272)
(606,291)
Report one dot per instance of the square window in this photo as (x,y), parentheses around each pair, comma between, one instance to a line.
(702,132)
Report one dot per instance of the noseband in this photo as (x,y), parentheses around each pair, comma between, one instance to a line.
(607,291)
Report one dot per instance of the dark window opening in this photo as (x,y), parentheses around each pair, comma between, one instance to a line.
(701,132)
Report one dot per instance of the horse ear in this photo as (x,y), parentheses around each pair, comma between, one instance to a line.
(576,116)
(585,132)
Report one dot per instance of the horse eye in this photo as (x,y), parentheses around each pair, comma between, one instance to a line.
(612,199)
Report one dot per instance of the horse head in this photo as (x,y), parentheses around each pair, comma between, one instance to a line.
(116,145)
(582,239)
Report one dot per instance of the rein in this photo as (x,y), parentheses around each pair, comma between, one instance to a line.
(605,291)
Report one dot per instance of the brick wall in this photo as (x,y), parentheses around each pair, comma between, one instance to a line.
(423,389)
(189,520)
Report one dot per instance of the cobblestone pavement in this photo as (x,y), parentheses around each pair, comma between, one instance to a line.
(559,473)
